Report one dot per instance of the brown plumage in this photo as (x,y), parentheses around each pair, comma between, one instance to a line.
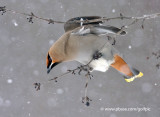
(121,66)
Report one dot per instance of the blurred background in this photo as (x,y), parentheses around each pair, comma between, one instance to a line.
(23,50)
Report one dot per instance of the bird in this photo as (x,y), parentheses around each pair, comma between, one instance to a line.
(86,43)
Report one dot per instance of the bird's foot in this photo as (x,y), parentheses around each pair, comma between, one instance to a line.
(97,55)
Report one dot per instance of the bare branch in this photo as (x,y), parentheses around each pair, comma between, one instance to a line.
(51,21)
(75,71)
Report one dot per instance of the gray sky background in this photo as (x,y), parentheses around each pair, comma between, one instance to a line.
(24,46)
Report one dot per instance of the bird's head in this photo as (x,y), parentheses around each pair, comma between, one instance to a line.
(50,62)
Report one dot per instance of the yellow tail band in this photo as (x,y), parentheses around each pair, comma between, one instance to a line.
(132,78)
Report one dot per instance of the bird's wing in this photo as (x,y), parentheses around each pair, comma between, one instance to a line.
(98,30)
(73,23)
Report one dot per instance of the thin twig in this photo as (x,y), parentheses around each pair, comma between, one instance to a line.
(51,21)
(31,15)
(86,99)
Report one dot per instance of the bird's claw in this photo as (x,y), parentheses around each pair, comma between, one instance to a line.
(97,55)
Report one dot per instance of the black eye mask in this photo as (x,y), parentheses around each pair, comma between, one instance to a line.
(50,61)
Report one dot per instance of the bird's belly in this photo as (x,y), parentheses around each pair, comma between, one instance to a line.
(85,55)
(88,46)
(101,64)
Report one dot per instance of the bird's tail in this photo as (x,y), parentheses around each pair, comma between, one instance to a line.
(129,73)
(136,74)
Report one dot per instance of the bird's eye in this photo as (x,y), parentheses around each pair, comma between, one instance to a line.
(49,58)
(48,61)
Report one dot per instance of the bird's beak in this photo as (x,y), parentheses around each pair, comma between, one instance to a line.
(48,70)
(51,66)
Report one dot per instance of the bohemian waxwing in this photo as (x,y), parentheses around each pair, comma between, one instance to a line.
(80,43)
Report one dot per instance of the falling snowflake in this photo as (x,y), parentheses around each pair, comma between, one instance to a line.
(113,10)
(15,22)
(59,91)
(129,46)
(9,81)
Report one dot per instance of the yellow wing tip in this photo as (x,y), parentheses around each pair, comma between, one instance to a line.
(132,78)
